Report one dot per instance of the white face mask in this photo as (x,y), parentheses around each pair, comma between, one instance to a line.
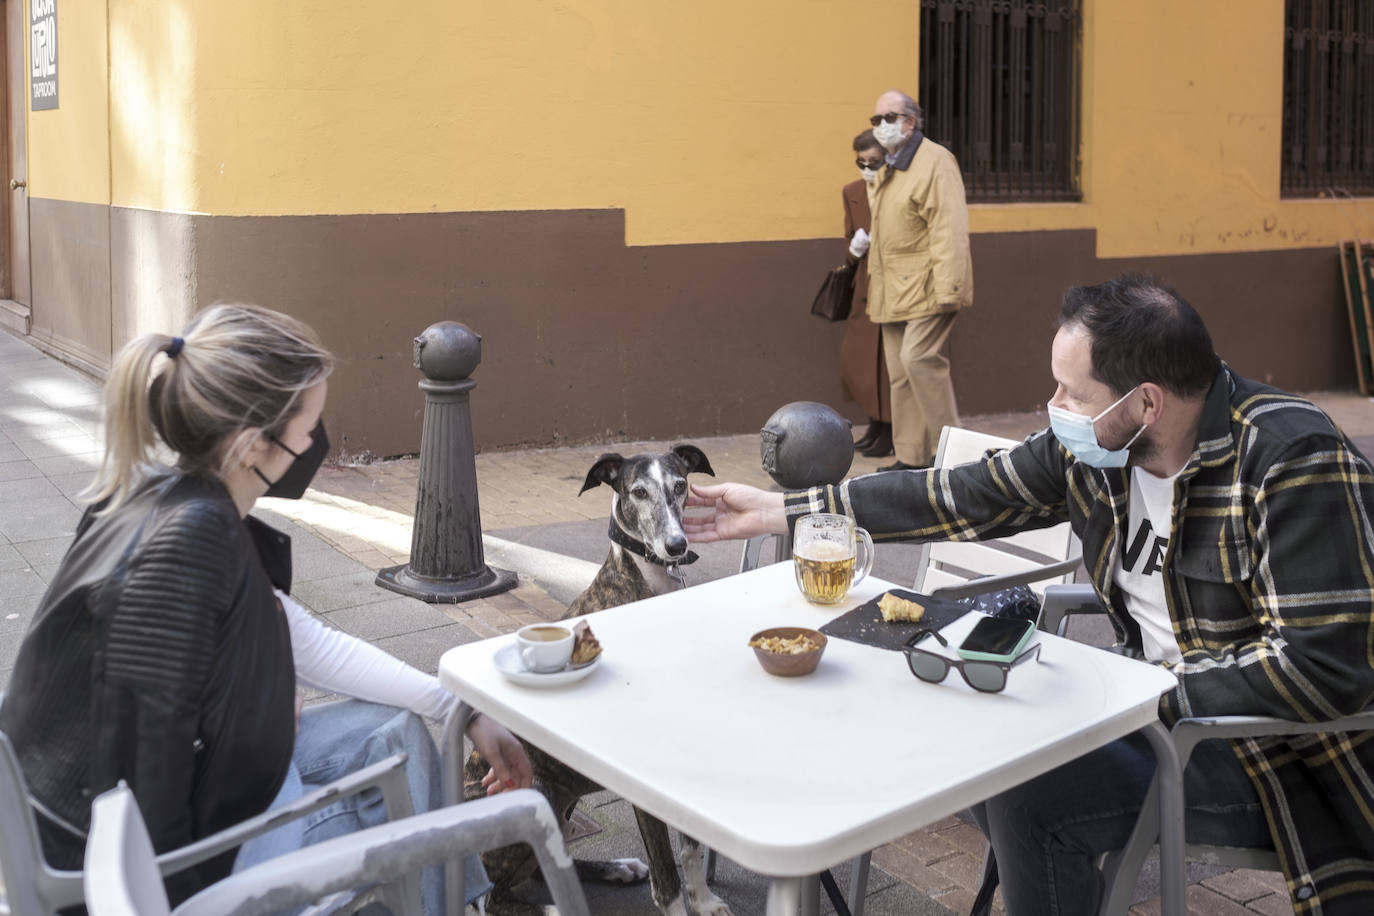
(869,175)
(891,136)
(1078,433)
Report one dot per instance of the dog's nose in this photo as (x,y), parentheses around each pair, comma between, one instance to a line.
(676,547)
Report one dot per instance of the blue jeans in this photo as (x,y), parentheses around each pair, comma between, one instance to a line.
(1048,832)
(339,738)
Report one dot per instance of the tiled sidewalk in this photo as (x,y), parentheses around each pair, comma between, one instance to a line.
(357,519)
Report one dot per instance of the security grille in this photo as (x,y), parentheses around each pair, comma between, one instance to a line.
(1000,87)
(1328,98)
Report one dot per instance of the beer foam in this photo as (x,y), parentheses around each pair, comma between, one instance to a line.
(824,551)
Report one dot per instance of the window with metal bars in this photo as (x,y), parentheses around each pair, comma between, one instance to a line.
(1328,98)
(999,85)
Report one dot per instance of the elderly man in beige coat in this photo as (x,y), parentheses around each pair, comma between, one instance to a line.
(920,274)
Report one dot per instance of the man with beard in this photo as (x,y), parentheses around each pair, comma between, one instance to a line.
(1226,527)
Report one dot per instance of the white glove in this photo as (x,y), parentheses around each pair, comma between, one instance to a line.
(858,246)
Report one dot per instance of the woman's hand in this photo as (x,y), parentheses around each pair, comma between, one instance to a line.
(510,767)
(740,511)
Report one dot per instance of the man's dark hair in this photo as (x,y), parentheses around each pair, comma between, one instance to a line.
(1142,331)
(866,140)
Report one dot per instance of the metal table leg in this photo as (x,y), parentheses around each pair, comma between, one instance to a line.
(1172,881)
(784,896)
(811,896)
(451,767)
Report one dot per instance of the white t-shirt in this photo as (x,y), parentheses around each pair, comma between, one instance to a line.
(1149,519)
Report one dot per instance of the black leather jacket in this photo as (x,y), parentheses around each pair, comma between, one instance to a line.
(158,656)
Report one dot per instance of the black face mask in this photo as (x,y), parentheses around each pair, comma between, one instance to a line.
(293,483)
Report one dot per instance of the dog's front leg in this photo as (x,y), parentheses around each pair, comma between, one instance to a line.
(668,891)
(699,894)
(663,877)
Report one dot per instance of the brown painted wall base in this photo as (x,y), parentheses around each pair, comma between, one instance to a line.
(586,339)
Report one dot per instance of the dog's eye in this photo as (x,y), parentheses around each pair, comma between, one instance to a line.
(680,487)
(639,493)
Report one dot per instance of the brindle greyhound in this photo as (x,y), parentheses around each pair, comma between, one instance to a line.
(648,546)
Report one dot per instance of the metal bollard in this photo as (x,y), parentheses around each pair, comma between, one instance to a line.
(804,444)
(446,560)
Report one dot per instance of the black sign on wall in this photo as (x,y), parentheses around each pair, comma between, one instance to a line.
(42,54)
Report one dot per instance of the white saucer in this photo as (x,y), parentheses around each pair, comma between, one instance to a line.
(507,661)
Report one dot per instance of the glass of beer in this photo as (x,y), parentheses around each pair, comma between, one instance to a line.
(825,554)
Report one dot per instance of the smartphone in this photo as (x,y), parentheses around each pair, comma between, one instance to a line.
(996,639)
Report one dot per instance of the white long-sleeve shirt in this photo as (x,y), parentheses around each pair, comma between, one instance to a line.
(332,660)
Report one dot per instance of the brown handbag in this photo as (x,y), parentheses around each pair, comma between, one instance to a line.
(836,294)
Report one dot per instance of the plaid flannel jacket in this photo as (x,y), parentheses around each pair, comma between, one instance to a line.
(1269,579)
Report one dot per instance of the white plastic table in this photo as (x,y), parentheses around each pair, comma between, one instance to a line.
(789,776)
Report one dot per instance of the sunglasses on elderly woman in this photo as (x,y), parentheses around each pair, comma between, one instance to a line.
(868,165)
(989,677)
(890,117)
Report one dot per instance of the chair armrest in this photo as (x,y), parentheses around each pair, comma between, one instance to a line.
(1063,600)
(1009,580)
(1189,732)
(381,853)
(387,775)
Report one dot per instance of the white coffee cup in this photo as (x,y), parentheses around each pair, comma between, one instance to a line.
(544,647)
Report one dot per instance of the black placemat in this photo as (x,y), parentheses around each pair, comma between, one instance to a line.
(865,623)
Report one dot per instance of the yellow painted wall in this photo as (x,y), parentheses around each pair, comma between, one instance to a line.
(707,122)
(69,151)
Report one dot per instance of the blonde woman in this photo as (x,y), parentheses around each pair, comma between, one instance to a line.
(166,651)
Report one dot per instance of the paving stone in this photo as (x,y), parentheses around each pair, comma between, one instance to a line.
(11,558)
(22,469)
(422,650)
(45,550)
(26,489)
(337,592)
(966,837)
(1271,905)
(35,519)
(17,583)
(1272,880)
(393,617)
(1238,886)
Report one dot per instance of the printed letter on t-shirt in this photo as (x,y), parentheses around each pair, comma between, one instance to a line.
(1155,562)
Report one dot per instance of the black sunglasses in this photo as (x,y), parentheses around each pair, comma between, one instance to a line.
(891,118)
(989,677)
(868,165)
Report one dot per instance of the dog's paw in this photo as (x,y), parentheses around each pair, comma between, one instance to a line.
(708,904)
(678,907)
(626,871)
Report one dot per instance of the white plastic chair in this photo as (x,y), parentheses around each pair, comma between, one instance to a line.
(122,879)
(961,569)
(33,888)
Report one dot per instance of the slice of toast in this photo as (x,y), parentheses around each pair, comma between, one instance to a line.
(897,610)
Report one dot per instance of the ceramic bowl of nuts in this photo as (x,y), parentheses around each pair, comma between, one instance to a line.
(788,651)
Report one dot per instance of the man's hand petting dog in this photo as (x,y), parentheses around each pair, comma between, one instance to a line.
(738,511)
(510,767)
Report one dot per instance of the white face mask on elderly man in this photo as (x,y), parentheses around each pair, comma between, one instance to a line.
(891,136)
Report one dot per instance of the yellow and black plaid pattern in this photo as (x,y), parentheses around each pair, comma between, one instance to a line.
(1269,580)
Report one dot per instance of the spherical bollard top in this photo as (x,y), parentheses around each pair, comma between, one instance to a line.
(447,351)
(806,444)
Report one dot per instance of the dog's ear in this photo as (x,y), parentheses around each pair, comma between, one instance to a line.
(606,470)
(694,458)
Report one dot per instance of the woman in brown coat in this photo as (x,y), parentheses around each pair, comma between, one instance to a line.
(862,367)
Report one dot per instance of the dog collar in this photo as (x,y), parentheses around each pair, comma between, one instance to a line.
(639,548)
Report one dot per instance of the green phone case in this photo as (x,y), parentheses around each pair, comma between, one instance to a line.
(1009,657)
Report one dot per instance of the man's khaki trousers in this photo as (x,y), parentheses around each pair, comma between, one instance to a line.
(922,394)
